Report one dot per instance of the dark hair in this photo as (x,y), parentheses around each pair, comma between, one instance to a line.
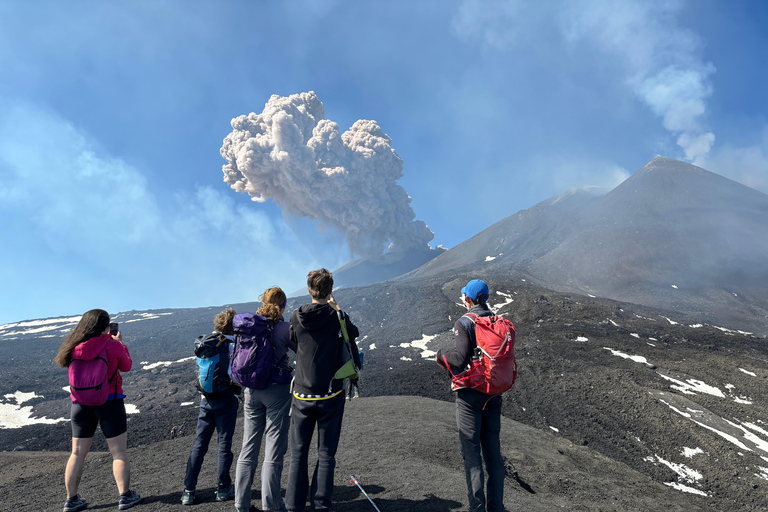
(271,300)
(320,283)
(223,321)
(92,324)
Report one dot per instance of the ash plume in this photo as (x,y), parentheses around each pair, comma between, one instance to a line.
(291,154)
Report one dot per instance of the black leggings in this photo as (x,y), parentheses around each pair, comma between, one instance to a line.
(111,416)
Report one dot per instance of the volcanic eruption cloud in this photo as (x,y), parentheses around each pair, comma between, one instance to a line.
(291,154)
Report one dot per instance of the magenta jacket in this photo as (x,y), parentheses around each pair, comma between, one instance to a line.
(118,358)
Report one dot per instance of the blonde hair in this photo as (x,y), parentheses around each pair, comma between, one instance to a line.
(271,300)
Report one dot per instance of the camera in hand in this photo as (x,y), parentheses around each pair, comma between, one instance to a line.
(113,328)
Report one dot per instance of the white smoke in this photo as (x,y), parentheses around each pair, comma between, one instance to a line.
(291,154)
(661,62)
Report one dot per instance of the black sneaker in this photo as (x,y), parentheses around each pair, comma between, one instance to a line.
(225,494)
(126,502)
(188,498)
(74,504)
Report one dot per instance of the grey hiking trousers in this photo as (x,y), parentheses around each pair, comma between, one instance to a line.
(266,411)
(478,417)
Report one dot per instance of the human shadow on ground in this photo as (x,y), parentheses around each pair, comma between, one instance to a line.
(350,499)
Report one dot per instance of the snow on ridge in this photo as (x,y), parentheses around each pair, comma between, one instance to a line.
(490,258)
(145,316)
(165,363)
(671,322)
(687,474)
(692,386)
(37,323)
(581,338)
(748,372)
(685,488)
(637,359)
(738,435)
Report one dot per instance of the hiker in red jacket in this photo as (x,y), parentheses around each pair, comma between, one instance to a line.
(86,342)
(478,415)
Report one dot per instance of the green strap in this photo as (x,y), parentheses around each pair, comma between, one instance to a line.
(343,326)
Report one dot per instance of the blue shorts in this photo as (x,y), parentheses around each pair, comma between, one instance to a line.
(111,416)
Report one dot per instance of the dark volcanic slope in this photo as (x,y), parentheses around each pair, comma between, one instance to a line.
(405,452)
(673,236)
(679,401)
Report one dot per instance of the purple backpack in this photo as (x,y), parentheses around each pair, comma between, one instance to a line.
(253,355)
(88,380)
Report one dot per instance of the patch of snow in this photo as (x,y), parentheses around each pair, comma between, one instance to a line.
(490,258)
(674,286)
(650,344)
(523,280)
(590,295)
(685,488)
(748,372)
(66,388)
(687,474)
(653,339)
(690,452)
(637,359)
(614,323)
(372,347)
(422,345)
(555,429)
(743,400)
(763,472)
(145,316)
(756,429)
(582,338)
(184,404)
(165,363)
(16,415)
(671,322)
(20,397)
(696,326)
(406,359)
(693,386)
(634,335)
(131,409)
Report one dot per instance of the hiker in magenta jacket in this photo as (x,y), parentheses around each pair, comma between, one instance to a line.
(85,342)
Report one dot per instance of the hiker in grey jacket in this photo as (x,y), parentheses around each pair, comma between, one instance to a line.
(478,415)
(318,398)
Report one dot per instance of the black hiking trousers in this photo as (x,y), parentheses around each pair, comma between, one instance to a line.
(478,417)
(327,416)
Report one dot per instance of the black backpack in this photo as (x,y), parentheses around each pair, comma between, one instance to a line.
(212,353)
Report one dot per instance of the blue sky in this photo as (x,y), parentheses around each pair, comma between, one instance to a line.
(112,116)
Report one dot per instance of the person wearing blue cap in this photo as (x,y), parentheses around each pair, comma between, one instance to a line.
(478,415)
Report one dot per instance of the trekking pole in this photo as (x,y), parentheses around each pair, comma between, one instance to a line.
(353,480)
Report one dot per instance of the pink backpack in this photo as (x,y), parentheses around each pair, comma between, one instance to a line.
(496,370)
(88,380)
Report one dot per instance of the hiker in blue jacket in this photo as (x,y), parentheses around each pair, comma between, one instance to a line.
(478,415)
(266,413)
(218,411)
(318,398)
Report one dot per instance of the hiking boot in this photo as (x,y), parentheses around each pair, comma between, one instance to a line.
(225,494)
(75,503)
(188,498)
(128,501)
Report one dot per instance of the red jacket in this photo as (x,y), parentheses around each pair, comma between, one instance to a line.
(118,358)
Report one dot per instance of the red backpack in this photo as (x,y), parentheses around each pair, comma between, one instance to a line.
(496,370)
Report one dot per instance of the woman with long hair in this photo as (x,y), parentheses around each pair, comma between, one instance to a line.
(266,411)
(86,342)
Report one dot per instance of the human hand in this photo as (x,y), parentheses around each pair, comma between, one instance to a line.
(332,302)
(118,336)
